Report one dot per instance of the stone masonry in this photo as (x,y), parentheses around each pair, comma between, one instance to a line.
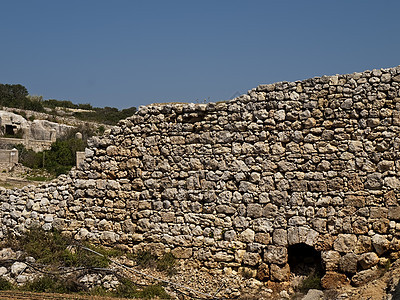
(234,184)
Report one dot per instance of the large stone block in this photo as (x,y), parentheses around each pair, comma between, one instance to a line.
(276,255)
(333,280)
(279,273)
(345,243)
(330,259)
(368,260)
(380,244)
(348,263)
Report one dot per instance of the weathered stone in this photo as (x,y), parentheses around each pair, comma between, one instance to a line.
(251,259)
(345,243)
(365,276)
(223,257)
(18,267)
(180,252)
(276,255)
(279,237)
(348,263)
(230,235)
(380,243)
(394,213)
(279,273)
(333,280)
(313,294)
(247,236)
(254,210)
(263,272)
(330,260)
(368,260)
(374,181)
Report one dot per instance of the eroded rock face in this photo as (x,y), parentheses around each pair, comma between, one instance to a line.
(234,184)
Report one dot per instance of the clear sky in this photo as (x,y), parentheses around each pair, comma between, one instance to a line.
(125,53)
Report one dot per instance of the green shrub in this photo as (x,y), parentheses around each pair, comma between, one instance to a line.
(51,247)
(53,284)
(45,284)
(313,281)
(146,259)
(153,291)
(167,263)
(5,285)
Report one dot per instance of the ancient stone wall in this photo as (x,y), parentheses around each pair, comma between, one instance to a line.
(239,184)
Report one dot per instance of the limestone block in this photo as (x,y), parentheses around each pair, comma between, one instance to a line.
(263,272)
(333,280)
(251,259)
(223,257)
(348,263)
(392,182)
(330,260)
(247,236)
(360,226)
(181,252)
(262,238)
(378,212)
(313,294)
(354,200)
(225,209)
(374,181)
(381,226)
(247,272)
(279,237)
(380,244)
(229,235)
(254,210)
(368,260)
(365,276)
(345,243)
(276,254)
(356,146)
(396,117)
(394,213)
(18,267)
(279,273)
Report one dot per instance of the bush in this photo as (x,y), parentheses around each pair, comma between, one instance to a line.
(145,259)
(51,247)
(313,281)
(58,160)
(5,285)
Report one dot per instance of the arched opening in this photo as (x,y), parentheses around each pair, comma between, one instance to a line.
(304,260)
(305,267)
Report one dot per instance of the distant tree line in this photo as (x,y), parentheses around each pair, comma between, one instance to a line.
(17,96)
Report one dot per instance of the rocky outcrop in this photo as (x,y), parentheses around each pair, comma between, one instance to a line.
(235,184)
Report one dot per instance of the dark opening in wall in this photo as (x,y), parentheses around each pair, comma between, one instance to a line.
(304,260)
(10,129)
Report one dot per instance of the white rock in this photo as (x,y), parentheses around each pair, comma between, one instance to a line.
(18,267)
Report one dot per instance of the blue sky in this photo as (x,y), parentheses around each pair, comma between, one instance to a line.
(129,53)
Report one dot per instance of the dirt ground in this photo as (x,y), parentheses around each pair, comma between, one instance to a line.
(21,176)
